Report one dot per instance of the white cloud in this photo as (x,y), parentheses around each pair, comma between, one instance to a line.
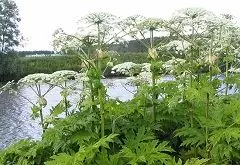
(41,17)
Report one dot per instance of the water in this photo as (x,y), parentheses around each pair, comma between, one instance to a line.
(15,112)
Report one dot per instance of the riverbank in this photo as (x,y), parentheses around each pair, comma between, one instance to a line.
(49,64)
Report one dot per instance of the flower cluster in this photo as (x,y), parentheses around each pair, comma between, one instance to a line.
(234,70)
(81,77)
(126,68)
(171,64)
(37,78)
(145,67)
(141,78)
(150,24)
(60,77)
(7,86)
(178,45)
(189,15)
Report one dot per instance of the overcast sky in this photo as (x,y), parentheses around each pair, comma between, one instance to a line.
(40,18)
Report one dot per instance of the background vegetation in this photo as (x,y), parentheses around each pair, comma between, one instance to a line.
(13,67)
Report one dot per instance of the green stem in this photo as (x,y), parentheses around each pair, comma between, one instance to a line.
(101,102)
(191,114)
(154,96)
(99,46)
(41,109)
(41,117)
(92,96)
(226,76)
(65,100)
(206,129)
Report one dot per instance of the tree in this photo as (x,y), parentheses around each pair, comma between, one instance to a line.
(9,32)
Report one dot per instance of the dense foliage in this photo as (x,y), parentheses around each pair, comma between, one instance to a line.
(192,119)
(15,67)
(10,67)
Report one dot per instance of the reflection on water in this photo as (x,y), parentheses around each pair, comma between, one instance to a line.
(15,112)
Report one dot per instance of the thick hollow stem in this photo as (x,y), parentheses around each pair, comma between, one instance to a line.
(226,76)
(41,108)
(41,118)
(92,96)
(66,105)
(65,100)
(99,47)
(206,129)
(154,96)
(101,102)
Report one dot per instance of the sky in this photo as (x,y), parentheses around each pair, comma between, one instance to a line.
(40,18)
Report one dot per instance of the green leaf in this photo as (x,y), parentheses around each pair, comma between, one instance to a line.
(35,112)
(61,159)
(57,110)
(195,161)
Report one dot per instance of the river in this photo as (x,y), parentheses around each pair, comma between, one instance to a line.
(15,112)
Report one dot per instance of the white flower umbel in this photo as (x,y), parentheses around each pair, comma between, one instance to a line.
(126,68)
(62,76)
(146,67)
(142,78)
(178,45)
(81,77)
(170,65)
(192,15)
(35,79)
(7,86)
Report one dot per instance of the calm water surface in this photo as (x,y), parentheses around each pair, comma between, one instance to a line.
(15,112)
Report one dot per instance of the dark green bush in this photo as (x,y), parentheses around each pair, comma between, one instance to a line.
(10,67)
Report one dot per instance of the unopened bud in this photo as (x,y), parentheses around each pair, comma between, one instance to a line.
(100,54)
(152,53)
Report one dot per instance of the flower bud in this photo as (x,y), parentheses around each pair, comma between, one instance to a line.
(42,101)
(152,53)
(110,64)
(100,54)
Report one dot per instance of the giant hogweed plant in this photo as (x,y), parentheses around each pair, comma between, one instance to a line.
(198,58)
(41,84)
(138,27)
(205,88)
(199,123)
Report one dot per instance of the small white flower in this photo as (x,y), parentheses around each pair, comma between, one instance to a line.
(171,64)
(7,86)
(126,68)
(178,45)
(81,77)
(146,67)
(234,70)
(59,77)
(37,78)
(142,78)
